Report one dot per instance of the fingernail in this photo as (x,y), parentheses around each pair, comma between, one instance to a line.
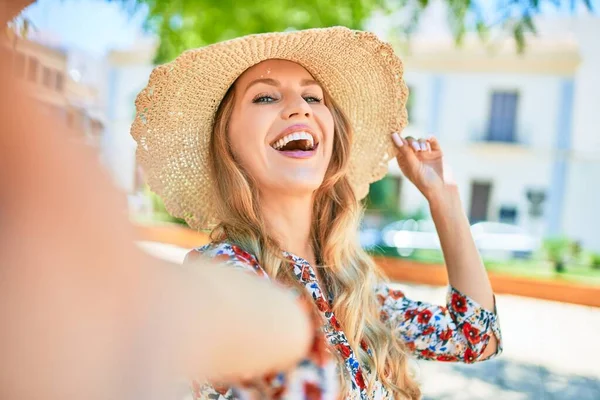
(397,140)
(423,146)
(416,146)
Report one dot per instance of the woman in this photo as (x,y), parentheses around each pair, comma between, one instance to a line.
(272,140)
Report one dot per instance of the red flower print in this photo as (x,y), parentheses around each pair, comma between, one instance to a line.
(384,316)
(429,330)
(469,356)
(424,317)
(410,346)
(459,303)
(322,304)
(472,334)
(335,322)
(396,294)
(305,274)
(343,349)
(363,345)
(446,357)
(380,299)
(244,256)
(427,354)
(311,391)
(445,335)
(222,390)
(279,392)
(360,381)
(410,314)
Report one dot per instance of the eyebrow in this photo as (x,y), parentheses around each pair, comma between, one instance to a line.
(276,83)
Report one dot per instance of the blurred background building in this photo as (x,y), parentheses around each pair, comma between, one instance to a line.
(54,81)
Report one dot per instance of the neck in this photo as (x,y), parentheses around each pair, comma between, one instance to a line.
(289,219)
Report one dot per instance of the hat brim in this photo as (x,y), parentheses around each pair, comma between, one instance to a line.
(175,112)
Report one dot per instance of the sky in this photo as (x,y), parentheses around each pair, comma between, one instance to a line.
(97,26)
(94,26)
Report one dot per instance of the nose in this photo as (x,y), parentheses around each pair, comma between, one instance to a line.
(297,108)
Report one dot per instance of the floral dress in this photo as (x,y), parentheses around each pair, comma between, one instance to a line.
(457,332)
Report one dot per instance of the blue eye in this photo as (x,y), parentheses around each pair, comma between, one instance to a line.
(312,99)
(262,98)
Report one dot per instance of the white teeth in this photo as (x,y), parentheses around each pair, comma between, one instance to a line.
(294,136)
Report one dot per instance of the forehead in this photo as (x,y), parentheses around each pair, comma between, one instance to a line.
(281,70)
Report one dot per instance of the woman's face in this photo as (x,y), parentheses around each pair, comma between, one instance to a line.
(280,130)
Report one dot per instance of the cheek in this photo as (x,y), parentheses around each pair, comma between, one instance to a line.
(327,127)
(246,138)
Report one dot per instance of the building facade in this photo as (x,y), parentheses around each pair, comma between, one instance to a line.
(520,131)
(45,72)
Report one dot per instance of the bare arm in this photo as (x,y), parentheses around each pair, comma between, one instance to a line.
(78,299)
(422,162)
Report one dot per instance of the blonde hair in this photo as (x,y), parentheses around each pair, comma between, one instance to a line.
(349,273)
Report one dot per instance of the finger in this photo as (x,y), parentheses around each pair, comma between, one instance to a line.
(423,145)
(406,152)
(433,143)
(413,143)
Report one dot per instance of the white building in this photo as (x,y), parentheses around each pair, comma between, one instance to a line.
(513,123)
(508,123)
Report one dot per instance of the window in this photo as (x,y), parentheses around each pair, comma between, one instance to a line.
(47,77)
(59,82)
(503,115)
(32,70)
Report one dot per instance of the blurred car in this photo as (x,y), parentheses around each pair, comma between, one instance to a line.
(501,240)
(410,235)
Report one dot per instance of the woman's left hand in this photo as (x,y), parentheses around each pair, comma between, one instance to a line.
(421,161)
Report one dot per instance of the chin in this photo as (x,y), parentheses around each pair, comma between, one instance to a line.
(299,187)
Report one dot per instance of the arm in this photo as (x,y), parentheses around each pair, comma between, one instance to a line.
(422,163)
(107,310)
(466,271)
(461,331)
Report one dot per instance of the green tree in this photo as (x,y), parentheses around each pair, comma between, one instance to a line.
(185,24)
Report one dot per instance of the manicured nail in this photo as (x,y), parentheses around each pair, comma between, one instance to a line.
(423,146)
(397,140)
(416,146)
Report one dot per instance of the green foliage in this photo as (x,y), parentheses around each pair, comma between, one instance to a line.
(595,261)
(383,197)
(186,24)
(557,249)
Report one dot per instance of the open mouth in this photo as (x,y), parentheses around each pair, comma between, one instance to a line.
(296,142)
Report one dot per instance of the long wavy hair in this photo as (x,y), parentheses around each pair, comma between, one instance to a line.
(349,273)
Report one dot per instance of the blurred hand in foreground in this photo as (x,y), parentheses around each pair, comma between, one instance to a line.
(84,313)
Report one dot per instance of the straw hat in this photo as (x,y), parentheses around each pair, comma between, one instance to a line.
(175,112)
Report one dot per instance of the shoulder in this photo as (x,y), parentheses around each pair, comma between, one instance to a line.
(227,254)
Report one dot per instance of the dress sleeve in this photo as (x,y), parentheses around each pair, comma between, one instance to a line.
(314,377)
(459,331)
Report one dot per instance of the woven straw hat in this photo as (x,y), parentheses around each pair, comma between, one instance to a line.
(176,110)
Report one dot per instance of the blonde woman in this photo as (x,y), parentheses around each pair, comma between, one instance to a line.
(271,141)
